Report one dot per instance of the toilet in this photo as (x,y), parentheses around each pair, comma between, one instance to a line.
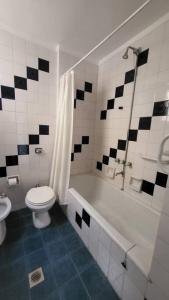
(40,200)
(5,208)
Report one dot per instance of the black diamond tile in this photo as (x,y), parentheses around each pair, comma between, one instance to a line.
(23,149)
(129,76)
(99,166)
(74,103)
(43,65)
(119,91)
(78,220)
(161,108)
(33,139)
(20,83)
(148,187)
(79,94)
(103,115)
(32,74)
(7,92)
(110,104)
(105,160)
(113,152)
(0,104)
(3,172)
(72,156)
(44,129)
(143,58)
(86,217)
(85,140)
(132,136)
(145,123)
(124,264)
(88,87)
(161,179)
(12,160)
(120,107)
(121,145)
(77,148)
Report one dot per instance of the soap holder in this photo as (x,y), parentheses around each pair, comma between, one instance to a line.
(13,180)
(110,172)
(136,183)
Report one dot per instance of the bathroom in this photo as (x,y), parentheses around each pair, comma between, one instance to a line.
(84,150)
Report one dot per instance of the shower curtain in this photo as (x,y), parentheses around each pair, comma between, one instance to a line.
(61,160)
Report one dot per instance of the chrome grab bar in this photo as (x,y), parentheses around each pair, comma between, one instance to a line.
(162,152)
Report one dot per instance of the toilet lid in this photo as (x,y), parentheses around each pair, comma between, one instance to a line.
(40,195)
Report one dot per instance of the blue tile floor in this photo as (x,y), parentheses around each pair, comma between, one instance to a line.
(69,270)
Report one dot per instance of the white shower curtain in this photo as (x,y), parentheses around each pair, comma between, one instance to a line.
(61,160)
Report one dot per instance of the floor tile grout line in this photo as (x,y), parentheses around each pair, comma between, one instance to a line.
(66,233)
(34,251)
(68,254)
(13,285)
(50,264)
(60,287)
(81,278)
(87,267)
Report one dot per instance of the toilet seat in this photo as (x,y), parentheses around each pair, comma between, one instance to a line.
(40,195)
(40,200)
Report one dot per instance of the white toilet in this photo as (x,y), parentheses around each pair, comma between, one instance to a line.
(5,208)
(40,200)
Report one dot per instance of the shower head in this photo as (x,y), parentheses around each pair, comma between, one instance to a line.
(136,51)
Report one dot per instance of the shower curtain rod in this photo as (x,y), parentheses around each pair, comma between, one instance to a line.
(110,35)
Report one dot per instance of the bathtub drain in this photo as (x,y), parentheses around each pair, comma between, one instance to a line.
(35,277)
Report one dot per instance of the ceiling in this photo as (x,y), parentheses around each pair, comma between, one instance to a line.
(77,25)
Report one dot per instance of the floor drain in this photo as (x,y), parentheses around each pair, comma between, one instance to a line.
(35,277)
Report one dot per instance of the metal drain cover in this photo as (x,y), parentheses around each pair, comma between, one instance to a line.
(35,277)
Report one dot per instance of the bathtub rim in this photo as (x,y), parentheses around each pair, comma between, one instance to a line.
(126,191)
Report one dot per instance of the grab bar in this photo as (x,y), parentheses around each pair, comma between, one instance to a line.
(162,152)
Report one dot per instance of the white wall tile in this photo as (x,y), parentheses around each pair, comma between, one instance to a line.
(115,269)
(160,277)
(135,274)
(6,52)
(8,105)
(154,293)
(18,119)
(130,292)
(103,258)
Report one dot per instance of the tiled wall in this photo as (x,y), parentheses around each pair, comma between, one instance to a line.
(86,75)
(150,115)
(149,125)
(159,274)
(84,118)
(27,114)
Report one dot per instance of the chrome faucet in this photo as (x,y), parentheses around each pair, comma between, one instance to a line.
(120,173)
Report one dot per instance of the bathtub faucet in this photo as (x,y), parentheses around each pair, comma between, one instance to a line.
(120,173)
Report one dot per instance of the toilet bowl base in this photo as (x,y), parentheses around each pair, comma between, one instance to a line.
(41,219)
(2,231)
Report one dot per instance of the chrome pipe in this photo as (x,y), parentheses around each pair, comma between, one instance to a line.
(131,114)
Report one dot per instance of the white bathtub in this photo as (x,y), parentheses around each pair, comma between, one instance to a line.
(129,224)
